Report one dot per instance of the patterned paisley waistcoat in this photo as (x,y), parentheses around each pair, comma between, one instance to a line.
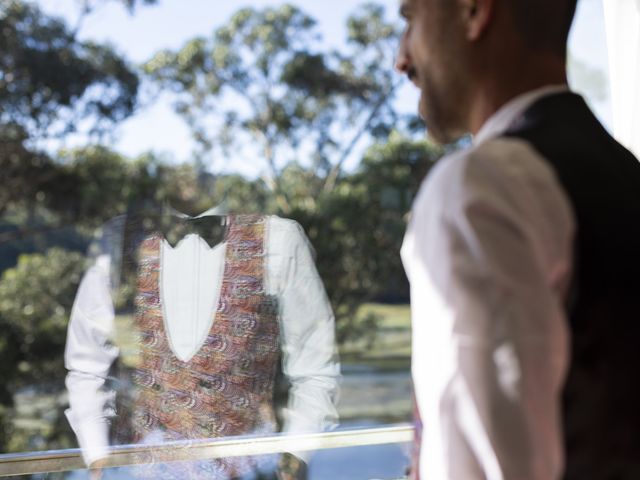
(226,388)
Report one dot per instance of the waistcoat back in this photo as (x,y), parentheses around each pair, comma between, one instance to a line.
(602,181)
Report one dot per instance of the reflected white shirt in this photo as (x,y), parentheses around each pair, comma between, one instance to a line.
(190,284)
(488,253)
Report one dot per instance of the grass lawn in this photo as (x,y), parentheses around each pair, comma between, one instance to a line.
(376,385)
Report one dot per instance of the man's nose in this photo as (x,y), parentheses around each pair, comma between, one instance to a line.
(403,62)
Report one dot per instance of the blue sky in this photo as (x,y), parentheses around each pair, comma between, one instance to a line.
(170,23)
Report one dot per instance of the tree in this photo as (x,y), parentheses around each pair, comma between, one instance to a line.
(358,228)
(264,80)
(49,80)
(23,171)
(258,81)
(84,187)
(50,83)
(35,303)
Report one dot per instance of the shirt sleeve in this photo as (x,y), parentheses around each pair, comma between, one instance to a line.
(89,354)
(496,250)
(308,331)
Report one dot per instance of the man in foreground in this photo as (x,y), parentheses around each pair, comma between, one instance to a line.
(521,254)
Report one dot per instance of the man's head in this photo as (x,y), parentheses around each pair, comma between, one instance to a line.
(461,53)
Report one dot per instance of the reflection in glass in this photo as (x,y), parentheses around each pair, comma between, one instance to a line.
(201,327)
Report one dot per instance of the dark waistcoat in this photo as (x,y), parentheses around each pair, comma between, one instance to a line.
(602,181)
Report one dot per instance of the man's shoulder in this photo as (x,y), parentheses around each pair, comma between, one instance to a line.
(286,236)
(489,163)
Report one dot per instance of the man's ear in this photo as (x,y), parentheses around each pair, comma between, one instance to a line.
(476,16)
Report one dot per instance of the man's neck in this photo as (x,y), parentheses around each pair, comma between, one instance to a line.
(493,92)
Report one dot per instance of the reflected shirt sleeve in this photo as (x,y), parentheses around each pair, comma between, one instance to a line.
(89,355)
(308,331)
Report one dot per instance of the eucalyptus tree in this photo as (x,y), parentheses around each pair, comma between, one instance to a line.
(264,85)
(51,83)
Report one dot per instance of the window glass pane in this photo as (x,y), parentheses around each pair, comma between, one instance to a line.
(588,59)
(200,223)
(201,212)
(379,461)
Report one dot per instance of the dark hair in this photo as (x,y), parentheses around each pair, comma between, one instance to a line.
(544,24)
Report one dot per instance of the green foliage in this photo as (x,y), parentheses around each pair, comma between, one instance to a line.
(5,425)
(35,303)
(49,84)
(96,184)
(93,184)
(357,229)
(46,74)
(243,59)
(23,171)
(242,195)
(369,27)
(261,80)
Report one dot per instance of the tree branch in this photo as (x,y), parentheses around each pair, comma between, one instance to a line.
(332,177)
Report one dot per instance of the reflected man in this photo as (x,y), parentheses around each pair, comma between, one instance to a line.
(220,303)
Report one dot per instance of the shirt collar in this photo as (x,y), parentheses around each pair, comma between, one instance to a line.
(217,210)
(506,115)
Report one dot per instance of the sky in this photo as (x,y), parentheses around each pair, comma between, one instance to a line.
(170,23)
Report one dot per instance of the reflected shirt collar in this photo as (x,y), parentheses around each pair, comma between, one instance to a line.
(500,121)
(218,210)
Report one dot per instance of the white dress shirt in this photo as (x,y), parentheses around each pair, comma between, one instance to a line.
(190,280)
(488,253)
